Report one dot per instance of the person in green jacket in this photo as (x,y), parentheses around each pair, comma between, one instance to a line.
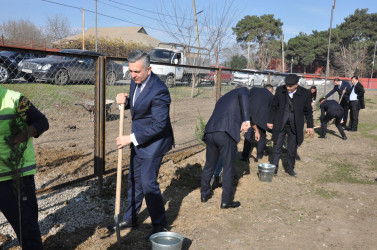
(20,121)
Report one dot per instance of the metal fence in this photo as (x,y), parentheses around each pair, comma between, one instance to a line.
(76,91)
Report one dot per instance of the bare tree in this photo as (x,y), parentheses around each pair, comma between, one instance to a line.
(214,24)
(58,27)
(21,30)
(349,59)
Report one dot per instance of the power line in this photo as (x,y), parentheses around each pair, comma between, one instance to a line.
(116,18)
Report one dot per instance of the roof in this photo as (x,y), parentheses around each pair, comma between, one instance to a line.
(127,34)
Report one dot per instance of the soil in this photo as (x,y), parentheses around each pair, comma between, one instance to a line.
(330,204)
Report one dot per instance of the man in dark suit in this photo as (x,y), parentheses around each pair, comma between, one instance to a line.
(331,109)
(342,87)
(222,133)
(261,99)
(151,137)
(356,102)
(289,106)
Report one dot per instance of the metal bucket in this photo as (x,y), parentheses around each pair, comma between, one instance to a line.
(166,240)
(266,172)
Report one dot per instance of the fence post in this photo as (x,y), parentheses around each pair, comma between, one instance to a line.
(218,84)
(100,121)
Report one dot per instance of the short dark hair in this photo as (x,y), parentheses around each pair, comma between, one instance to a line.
(337,80)
(323,98)
(137,55)
(313,87)
(356,77)
(268,86)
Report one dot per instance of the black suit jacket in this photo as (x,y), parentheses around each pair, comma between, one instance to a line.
(301,107)
(260,100)
(330,107)
(359,91)
(345,85)
(150,118)
(230,111)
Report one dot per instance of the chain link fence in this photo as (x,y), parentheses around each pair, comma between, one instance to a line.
(63,86)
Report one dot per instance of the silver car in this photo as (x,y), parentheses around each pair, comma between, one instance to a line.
(253,78)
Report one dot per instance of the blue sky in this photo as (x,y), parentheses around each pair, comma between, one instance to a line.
(296,15)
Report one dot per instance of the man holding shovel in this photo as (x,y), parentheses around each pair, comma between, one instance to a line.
(151,137)
(341,87)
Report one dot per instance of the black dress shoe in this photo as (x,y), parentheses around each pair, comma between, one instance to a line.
(207,197)
(292,173)
(344,137)
(323,137)
(232,204)
(122,225)
(156,229)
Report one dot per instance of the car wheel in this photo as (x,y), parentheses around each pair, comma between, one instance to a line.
(29,78)
(169,81)
(4,73)
(61,77)
(128,75)
(111,78)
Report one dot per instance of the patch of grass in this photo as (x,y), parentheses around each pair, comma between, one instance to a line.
(342,173)
(326,193)
(366,128)
(368,101)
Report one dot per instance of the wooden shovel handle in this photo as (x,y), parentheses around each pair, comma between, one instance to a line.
(119,169)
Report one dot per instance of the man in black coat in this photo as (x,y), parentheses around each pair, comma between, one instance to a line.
(342,87)
(289,106)
(222,133)
(261,99)
(331,109)
(356,102)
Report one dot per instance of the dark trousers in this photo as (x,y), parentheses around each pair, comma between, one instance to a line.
(291,148)
(142,182)
(354,115)
(345,105)
(31,235)
(249,136)
(338,117)
(219,144)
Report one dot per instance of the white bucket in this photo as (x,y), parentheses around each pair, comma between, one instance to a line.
(166,240)
(266,172)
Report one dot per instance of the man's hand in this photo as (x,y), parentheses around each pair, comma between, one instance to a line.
(123,141)
(310,131)
(256,133)
(121,98)
(270,125)
(245,127)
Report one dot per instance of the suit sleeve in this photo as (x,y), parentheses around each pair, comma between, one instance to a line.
(160,117)
(308,112)
(244,103)
(273,109)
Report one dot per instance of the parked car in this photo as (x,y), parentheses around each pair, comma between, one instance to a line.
(276,78)
(250,79)
(61,70)
(126,71)
(226,76)
(315,81)
(9,61)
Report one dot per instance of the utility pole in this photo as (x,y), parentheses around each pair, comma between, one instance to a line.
(362,65)
(196,26)
(282,54)
(328,48)
(248,55)
(371,74)
(291,64)
(96,29)
(83,29)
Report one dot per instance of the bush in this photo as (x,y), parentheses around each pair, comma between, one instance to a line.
(199,130)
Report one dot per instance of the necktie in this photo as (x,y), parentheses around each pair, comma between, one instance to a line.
(137,92)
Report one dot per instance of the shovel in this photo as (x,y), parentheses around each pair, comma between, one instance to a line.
(119,179)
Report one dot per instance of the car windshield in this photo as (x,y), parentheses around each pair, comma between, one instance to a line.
(8,53)
(161,55)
